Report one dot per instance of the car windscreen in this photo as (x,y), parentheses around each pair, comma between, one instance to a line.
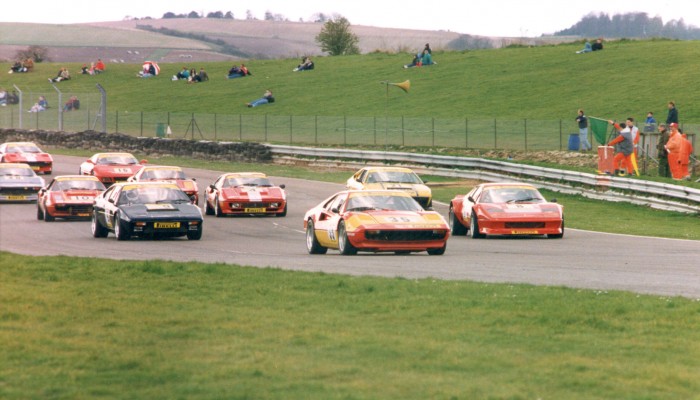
(163,174)
(393,177)
(233,182)
(79,184)
(11,171)
(121,160)
(25,148)
(511,195)
(388,202)
(151,195)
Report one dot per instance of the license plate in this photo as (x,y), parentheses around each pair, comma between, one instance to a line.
(35,168)
(166,225)
(525,232)
(16,197)
(83,214)
(255,210)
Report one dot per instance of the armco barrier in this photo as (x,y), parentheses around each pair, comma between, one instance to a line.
(654,194)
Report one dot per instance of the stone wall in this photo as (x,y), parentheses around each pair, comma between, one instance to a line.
(103,142)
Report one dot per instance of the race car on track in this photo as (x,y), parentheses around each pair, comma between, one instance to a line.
(505,209)
(167,173)
(392,178)
(27,153)
(245,193)
(111,167)
(145,209)
(19,182)
(68,196)
(375,221)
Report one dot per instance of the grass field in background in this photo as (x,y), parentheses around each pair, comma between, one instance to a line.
(93,328)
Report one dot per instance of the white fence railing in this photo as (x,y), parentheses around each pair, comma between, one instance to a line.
(654,194)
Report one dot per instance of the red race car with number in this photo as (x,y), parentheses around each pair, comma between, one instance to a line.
(245,193)
(27,153)
(171,174)
(111,167)
(68,196)
(376,221)
(505,209)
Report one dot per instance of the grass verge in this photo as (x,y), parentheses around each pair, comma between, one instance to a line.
(92,328)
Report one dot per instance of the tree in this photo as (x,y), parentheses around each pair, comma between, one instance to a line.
(337,39)
(216,14)
(229,15)
(193,14)
(36,53)
(169,15)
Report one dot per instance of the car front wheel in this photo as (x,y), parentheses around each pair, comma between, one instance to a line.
(474,227)
(121,231)
(312,244)
(346,248)
(98,230)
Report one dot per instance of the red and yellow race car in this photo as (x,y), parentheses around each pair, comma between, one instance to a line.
(68,196)
(505,209)
(27,153)
(111,167)
(376,221)
(245,193)
(171,174)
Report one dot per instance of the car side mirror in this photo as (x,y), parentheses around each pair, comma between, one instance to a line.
(42,191)
(143,162)
(194,179)
(470,198)
(212,187)
(282,186)
(334,210)
(111,200)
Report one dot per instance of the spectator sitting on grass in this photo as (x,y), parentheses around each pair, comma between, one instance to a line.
(267,98)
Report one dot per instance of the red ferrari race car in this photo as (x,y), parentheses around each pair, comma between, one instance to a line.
(245,193)
(68,196)
(27,153)
(505,209)
(171,174)
(111,167)
(376,221)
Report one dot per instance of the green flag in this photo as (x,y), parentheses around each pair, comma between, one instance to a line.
(599,127)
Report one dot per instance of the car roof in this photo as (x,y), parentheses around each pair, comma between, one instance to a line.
(76,177)
(145,184)
(245,175)
(378,193)
(173,167)
(120,153)
(14,165)
(507,184)
(378,168)
(19,143)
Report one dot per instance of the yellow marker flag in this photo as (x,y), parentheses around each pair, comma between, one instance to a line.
(633,157)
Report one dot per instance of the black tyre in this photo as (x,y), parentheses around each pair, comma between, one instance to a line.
(121,231)
(474,228)
(39,212)
(438,252)
(456,227)
(557,235)
(48,217)
(208,210)
(98,230)
(217,208)
(346,248)
(284,212)
(195,235)
(312,244)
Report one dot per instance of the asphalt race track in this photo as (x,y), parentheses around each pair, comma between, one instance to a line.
(581,259)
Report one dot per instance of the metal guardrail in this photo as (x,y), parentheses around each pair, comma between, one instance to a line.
(654,194)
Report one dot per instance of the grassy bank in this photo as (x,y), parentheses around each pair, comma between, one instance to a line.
(88,328)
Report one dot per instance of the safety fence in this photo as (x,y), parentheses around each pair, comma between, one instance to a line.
(488,134)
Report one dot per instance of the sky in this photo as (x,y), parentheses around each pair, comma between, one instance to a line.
(525,18)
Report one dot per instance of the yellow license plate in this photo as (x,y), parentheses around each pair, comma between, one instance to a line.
(83,214)
(166,225)
(525,232)
(255,210)
(35,168)
(16,197)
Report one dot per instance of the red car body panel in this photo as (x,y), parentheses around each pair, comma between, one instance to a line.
(13,152)
(533,217)
(71,202)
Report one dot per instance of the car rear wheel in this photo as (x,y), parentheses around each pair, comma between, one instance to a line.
(346,248)
(474,228)
(98,230)
(456,227)
(195,235)
(120,230)
(312,244)
(437,252)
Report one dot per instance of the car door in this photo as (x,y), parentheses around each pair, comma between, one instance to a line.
(326,225)
(468,202)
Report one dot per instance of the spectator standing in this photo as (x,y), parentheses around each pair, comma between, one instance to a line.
(582,121)
(650,119)
(661,152)
(672,117)
(674,147)
(624,144)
